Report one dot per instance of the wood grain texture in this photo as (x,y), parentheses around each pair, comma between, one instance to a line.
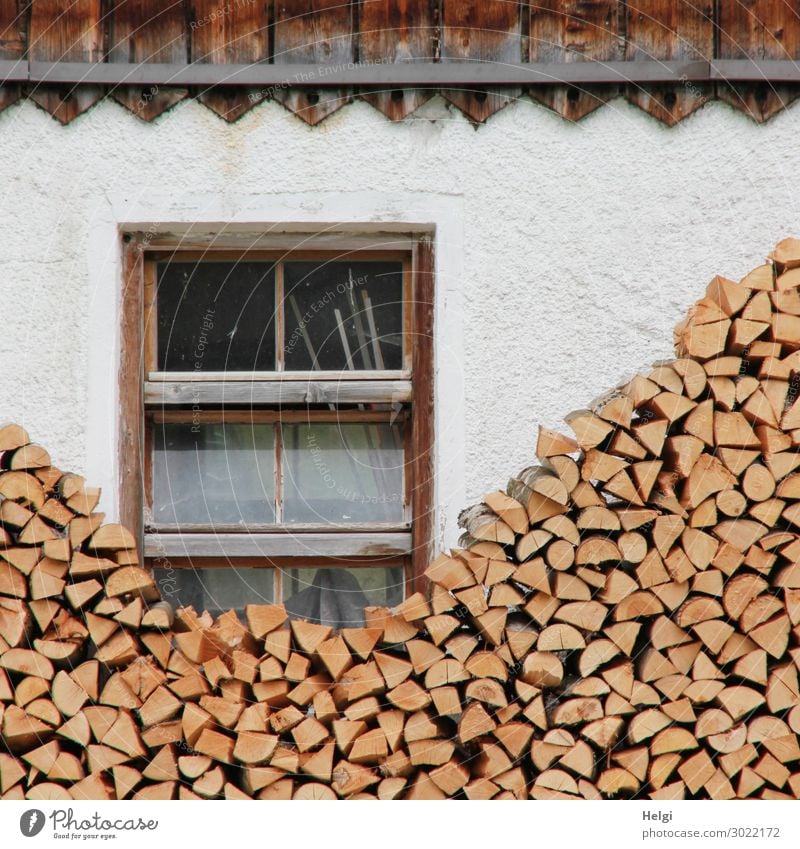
(143,31)
(335,33)
(481,30)
(68,33)
(662,29)
(276,376)
(759,29)
(317,31)
(239,36)
(277,528)
(422,412)
(573,31)
(131,409)
(277,545)
(278,392)
(12,46)
(397,31)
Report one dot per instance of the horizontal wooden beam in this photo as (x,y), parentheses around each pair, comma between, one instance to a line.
(277,376)
(256,528)
(352,73)
(400,74)
(752,70)
(277,545)
(167,393)
(14,71)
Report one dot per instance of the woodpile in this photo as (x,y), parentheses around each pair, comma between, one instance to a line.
(623,621)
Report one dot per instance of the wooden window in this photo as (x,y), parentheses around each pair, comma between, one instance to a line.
(277,422)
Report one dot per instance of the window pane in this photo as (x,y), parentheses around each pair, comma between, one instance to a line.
(214,473)
(216,316)
(342,473)
(343,315)
(337,596)
(216,590)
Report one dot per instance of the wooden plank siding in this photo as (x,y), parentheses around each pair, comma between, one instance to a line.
(758,29)
(12,48)
(318,31)
(65,32)
(663,29)
(397,31)
(139,33)
(481,31)
(573,31)
(239,36)
(170,36)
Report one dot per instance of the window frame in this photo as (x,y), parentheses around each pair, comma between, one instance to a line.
(275,417)
(144,392)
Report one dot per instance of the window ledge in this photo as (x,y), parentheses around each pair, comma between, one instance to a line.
(275,376)
(267,528)
(277,544)
(162,392)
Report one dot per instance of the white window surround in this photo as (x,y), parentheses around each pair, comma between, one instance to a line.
(197,215)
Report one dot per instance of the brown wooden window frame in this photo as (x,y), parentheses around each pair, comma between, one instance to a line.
(145,392)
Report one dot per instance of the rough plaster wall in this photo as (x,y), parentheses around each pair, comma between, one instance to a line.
(584,244)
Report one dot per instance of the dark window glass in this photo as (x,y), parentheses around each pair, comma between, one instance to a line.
(216,316)
(343,316)
(337,596)
(216,590)
(342,473)
(214,474)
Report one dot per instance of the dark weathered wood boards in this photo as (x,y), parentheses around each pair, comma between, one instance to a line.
(396,31)
(71,33)
(758,29)
(12,48)
(574,31)
(481,31)
(661,29)
(140,33)
(668,58)
(318,31)
(240,36)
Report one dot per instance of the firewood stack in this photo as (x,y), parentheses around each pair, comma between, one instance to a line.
(623,621)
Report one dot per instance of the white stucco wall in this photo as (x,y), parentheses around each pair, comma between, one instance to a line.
(571,250)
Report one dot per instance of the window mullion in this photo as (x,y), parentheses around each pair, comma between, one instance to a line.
(278,473)
(280,319)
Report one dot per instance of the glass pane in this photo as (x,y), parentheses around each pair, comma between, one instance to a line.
(343,316)
(214,473)
(337,596)
(216,316)
(216,590)
(342,473)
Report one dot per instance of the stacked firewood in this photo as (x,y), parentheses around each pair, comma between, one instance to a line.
(623,621)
